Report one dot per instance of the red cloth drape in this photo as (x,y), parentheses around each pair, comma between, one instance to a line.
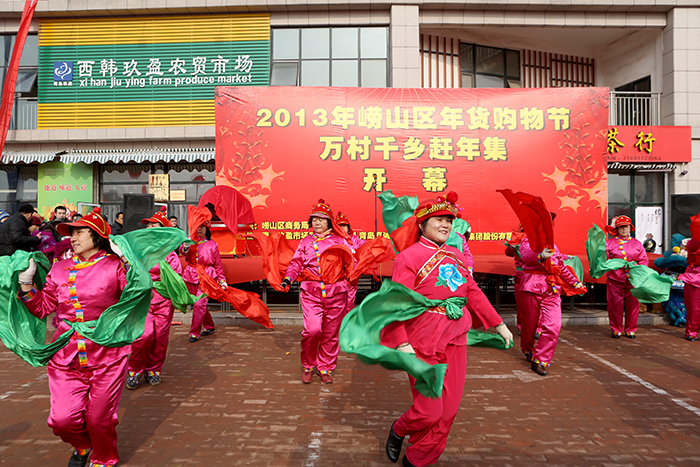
(232,207)
(554,278)
(276,254)
(406,235)
(534,218)
(8,92)
(246,303)
(337,264)
(370,254)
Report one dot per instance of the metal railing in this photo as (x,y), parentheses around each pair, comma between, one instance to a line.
(635,108)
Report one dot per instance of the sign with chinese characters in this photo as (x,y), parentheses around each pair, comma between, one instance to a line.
(649,144)
(286,147)
(157,71)
(62,184)
(178,195)
(159,186)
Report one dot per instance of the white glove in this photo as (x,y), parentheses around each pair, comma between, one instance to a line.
(27,276)
(546,253)
(505,333)
(115,249)
(406,348)
(185,248)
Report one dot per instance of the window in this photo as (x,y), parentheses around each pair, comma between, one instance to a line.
(117,179)
(25,105)
(489,67)
(18,184)
(630,189)
(634,104)
(330,57)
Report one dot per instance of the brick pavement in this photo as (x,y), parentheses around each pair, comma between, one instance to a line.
(234,398)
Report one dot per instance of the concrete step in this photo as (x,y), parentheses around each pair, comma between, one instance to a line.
(578,317)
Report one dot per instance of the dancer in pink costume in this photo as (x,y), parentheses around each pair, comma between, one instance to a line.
(437,271)
(323,305)
(541,303)
(691,291)
(354,243)
(149,351)
(204,253)
(85,379)
(621,302)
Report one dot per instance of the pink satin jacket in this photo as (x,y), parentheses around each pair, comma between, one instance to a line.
(208,256)
(629,250)
(97,287)
(534,278)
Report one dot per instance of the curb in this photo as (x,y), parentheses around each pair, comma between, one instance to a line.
(224,318)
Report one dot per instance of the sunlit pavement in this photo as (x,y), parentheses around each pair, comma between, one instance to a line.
(235,398)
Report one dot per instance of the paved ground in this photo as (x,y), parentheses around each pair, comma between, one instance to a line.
(235,398)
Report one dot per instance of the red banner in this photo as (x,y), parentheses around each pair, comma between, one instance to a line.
(286,147)
(649,144)
(8,91)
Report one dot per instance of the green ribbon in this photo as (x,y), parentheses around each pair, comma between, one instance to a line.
(459,226)
(648,285)
(361,327)
(396,210)
(119,325)
(172,286)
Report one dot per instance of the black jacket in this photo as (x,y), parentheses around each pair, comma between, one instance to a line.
(15,235)
(117,229)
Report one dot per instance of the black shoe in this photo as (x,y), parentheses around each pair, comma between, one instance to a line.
(539,368)
(206,332)
(630,335)
(77,460)
(691,338)
(616,335)
(406,462)
(194,339)
(393,445)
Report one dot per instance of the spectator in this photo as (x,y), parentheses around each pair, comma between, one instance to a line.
(76,216)
(173,222)
(3,215)
(34,223)
(14,233)
(59,215)
(118,226)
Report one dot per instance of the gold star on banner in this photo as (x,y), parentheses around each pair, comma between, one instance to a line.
(569,202)
(268,175)
(558,177)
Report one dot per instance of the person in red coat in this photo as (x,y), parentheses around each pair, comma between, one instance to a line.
(437,271)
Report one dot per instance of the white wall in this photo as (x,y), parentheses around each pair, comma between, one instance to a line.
(632,57)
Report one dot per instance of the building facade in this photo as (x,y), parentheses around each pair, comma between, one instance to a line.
(647,54)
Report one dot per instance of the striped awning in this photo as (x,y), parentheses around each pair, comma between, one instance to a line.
(27,157)
(111,156)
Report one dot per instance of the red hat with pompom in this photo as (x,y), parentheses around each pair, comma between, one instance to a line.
(322,209)
(93,220)
(161,217)
(342,219)
(446,206)
(616,222)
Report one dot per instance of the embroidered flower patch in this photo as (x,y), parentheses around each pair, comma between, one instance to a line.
(449,276)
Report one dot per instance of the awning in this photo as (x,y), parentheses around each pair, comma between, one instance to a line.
(106,156)
(27,157)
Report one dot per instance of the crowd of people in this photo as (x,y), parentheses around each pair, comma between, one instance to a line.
(86,376)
